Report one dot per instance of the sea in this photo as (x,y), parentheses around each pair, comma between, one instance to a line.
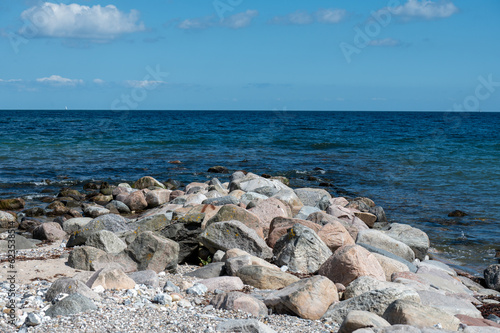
(419,166)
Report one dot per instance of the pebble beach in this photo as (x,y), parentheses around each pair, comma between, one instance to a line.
(237,253)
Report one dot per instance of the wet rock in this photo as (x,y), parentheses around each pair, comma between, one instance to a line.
(239,301)
(362,319)
(301,250)
(314,197)
(415,314)
(350,262)
(70,193)
(12,204)
(69,286)
(457,213)
(29,225)
(265,277)
(147,182)
(50,231)
(308,298)
(172,184)
(71,305)
(379,213)
(34,212)
(234,234)
(154,252)
(492,277)
(106,241)
(102,199)
(218,169)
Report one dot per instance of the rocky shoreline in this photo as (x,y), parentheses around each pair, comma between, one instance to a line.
(247,255)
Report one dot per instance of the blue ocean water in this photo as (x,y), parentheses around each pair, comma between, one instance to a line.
(418,165)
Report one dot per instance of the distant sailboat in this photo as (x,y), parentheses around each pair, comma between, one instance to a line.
(66,108)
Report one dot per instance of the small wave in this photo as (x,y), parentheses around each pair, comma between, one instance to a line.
(328,145)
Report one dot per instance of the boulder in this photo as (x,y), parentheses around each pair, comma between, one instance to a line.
(234,234)
(94,211)
(236,263)
(116,206)
(301,250)
(268,209)
(28,225)
(154,252)
(209,271)
(239,301)
(106,241)
(289,197)
(246,198)
(21,242)
(390,266)
(415,314)
(314,197)
(255,260)
(368,218)
(120,260)
(147,182)
(415,238)
(449,303)
(218,169)
(265,278)
(221,201)
(305,211)
(243,325)
(379,213)
(50,231)
(308,298)
(364,284)
(442,280)
(12,204)
(376,250)
(136,201)
(84,257)
(71,305)
(335,235)
(361,319)
(375,301)
(225,283)
(233,212)
(111,222)
(492,277)
(7,220)
(193,199)
(111,278)
(148,278)
(350,262)
(186,233)
(279,227)
(157,197)
(33,212)
(69,286)
(75,224)
(380,240)
(323,218)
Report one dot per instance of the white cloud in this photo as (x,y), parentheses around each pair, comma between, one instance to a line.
(144,83)
(11,80)
(331,16)
(236,21)
(424,9)
(57,80)
(385,42)
(98,81)
(76,21)
(301,17)
(240,20)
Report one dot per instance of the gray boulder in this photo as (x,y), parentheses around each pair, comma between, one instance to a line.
(305,211)
(119,206)
(85,258)
(148,278)
(448,303)
(75,224)
(301,250)
(492,277)
(21,242)
(314,197)
(94,211)
(186,233)
(243,326)
(111,222)
(415,238)
(70,305)
(361,319)
(411,267)
(106,241)
(238,301)
(234,234)
(154,252)
(375,301)
(382,241)
(209,271)
(69,286)
(225,200)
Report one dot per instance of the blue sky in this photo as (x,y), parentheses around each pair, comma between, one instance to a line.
(250,55)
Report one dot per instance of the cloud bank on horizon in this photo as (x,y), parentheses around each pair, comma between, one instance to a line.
(259,55)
